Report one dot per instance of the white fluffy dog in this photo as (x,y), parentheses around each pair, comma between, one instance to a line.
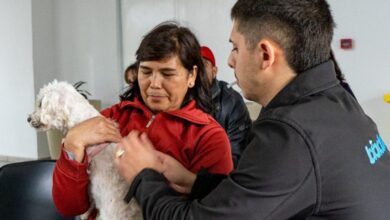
(60,106)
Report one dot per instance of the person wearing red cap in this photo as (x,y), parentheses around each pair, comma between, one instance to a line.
(229,108)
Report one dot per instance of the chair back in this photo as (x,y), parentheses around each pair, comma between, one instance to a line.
(25,191)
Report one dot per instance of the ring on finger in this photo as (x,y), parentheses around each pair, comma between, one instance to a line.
(119,153)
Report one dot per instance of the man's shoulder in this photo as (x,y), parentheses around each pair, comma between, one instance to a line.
(228,90)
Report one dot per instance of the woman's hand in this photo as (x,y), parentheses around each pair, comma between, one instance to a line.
(90,132)
(179,178)
(136,152)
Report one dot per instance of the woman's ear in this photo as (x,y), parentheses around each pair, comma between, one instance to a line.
(192,76)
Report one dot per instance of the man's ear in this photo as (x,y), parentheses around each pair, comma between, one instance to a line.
(215,71)
(267,51)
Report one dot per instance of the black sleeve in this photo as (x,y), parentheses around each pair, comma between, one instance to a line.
(204,183)
(274,180)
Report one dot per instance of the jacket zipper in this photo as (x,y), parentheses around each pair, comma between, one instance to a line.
(150,121)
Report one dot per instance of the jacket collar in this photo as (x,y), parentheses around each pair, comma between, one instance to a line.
(314,80)
(189,112)
(215,89)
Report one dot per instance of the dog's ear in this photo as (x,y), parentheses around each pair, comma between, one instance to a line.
(52,107)
(65,100)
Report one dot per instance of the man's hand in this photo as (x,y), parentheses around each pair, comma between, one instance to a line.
(136,152)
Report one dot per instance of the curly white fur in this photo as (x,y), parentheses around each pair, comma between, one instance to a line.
(60,106)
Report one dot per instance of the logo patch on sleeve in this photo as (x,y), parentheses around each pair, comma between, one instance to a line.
(376,149)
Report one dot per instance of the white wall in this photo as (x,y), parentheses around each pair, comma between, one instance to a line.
(43,40)
(17,139)
(44,53)
(138,18)
(88,46)
(367,65)
(212,25)
(79,41)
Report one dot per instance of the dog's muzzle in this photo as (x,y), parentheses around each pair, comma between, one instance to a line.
(34,123)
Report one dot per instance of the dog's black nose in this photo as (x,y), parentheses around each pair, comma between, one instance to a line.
(28,119)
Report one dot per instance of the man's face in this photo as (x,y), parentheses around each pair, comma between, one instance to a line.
(245,64)
(211,71)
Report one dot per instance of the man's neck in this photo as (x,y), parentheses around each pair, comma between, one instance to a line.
(281,79)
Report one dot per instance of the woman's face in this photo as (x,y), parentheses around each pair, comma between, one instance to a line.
(164,84)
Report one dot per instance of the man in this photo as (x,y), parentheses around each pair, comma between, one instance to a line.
(131,73)
(229,107)
(130,77)
(314,154)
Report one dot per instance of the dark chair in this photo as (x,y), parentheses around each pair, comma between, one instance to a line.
(25,191)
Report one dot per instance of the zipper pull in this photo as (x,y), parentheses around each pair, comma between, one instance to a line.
(151,121)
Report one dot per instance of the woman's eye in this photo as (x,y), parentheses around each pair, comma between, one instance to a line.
(167,74)
(234,49)
(146,72)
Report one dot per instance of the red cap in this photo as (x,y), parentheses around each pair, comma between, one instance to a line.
(206,53)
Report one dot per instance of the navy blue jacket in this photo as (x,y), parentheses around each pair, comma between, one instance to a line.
(231,113)
(315,154)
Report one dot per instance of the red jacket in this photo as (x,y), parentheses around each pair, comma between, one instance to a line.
(191,136)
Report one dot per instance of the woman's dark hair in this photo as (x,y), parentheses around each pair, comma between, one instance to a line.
(167,40)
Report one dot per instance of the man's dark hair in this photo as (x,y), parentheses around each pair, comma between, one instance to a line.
(302,28)
(167,40)
(133,68)
(133,89)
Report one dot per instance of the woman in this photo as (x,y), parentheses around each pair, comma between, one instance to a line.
(168,103)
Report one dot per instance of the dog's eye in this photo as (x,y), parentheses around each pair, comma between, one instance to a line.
(40,104)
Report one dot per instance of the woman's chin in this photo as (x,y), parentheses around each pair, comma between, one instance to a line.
(155,106)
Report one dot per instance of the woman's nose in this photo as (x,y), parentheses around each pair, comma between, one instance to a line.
(155,81)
